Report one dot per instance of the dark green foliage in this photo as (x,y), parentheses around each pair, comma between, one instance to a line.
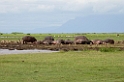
(16,33)
(109,49)
(1,33)
(28,34)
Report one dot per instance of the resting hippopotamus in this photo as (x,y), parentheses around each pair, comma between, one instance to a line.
(110,41)
(29,39)
(49,38)
(82,40)
(97,41)
(68,41)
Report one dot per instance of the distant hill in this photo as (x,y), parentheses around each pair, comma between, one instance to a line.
(94,23)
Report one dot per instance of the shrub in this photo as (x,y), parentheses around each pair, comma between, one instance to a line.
(16,33)
(109,49)
(1,33)
(28,34)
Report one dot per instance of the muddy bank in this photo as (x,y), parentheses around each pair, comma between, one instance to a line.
(7,51)
(17,49)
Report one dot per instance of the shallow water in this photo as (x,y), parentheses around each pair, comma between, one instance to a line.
(6,51)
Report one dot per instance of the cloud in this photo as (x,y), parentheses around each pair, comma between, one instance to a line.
(14,6)
(43,8)
(106,6)
(97,6)
(52,13)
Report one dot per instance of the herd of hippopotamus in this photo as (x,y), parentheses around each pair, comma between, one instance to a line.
(77,40)
(49,43)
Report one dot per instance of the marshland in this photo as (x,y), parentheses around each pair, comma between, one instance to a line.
(14,41)
(73,62)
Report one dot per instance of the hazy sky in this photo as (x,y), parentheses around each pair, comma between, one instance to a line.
(26,15)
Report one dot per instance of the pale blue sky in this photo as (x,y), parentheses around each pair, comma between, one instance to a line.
(29,15)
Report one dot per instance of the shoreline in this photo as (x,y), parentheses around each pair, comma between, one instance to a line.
(15,51)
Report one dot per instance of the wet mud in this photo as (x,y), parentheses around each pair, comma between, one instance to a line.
(33,48)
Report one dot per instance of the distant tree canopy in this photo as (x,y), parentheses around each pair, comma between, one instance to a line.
(1,33)
(16,33)
(28,34)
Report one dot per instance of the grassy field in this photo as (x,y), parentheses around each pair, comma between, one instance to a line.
(80,66)
(65,36)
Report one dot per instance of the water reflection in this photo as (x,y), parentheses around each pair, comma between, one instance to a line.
(6,51)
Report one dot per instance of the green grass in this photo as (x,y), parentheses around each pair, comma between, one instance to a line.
(40,36)
(80,66)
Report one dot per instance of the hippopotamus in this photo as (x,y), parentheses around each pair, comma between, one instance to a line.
(110,41)
(49,38)
(68,41)
(82,40)
(29,39)
(97,41)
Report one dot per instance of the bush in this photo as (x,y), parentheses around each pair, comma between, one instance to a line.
(1,33)
(16,33)
(109,49)
(28,34)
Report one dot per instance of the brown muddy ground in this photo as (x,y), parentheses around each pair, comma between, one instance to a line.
(73,47)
